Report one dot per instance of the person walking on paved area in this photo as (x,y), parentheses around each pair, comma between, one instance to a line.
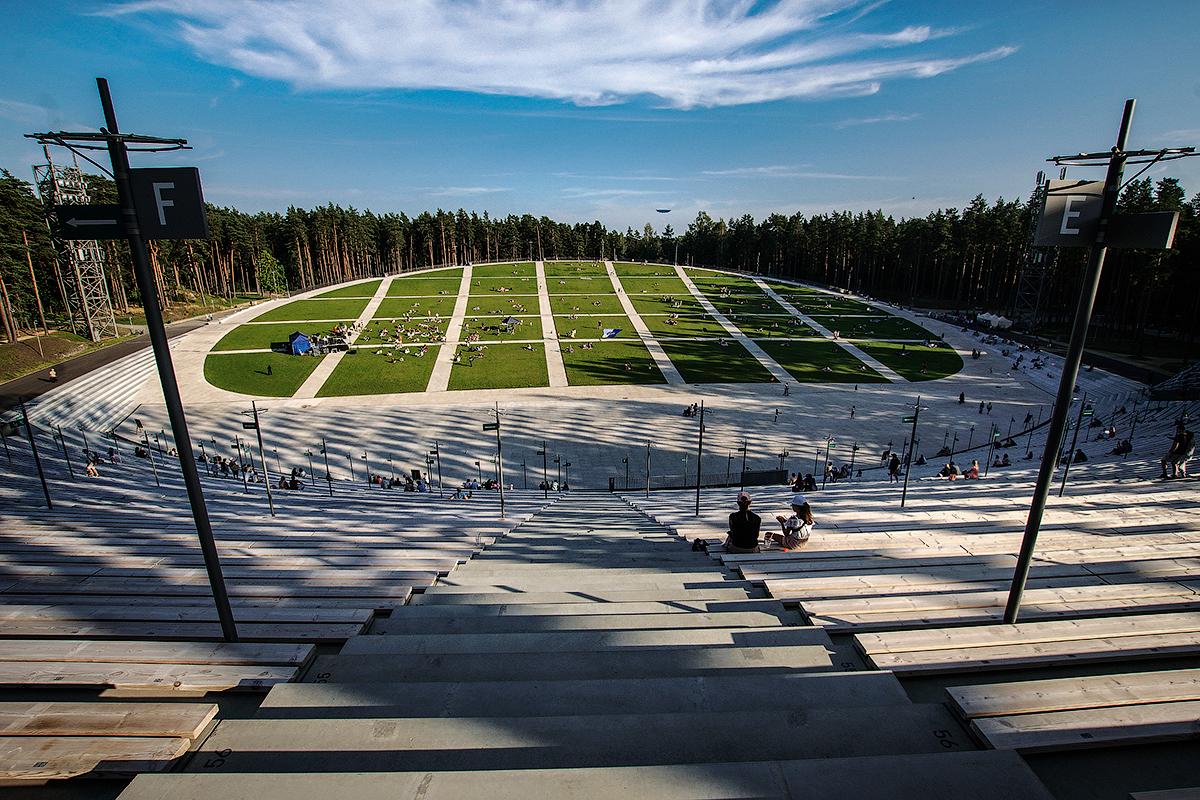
(1183,446)
(744,527)
(852,409)
(980,406)
(894,469)
(962,398)
(52,375)
(796,529)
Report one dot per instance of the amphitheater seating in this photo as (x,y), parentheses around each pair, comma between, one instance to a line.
(605,695)
(1064,713)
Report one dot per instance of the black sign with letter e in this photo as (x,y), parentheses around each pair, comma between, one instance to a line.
(169,203)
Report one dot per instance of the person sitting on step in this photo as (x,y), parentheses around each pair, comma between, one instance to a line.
(796,529)
(744,527)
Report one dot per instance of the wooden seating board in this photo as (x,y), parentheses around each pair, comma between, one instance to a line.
(185,720)
(40,758)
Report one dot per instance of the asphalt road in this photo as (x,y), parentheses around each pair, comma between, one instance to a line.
(37,383)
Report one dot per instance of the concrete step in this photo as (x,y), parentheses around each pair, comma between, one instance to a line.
(544,609)
(433,744)
(629,663)
(400,624)
(583,641)
(926,776)
(584,594)
(743,693)
(701,571)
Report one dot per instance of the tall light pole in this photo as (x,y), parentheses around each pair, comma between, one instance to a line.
(699,457)
(37,458)
(62,440)
(545,471)
(437,454)
(262,456)
(328,474)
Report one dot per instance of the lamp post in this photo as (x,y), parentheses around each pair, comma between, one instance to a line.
(328,474)
(524,475)
(350,458)
(262,456)
(745,448)
(37,458)
(567,465)
(625,461)
(478,473)
(853,453)
(971,436)
(647,469)
(278,467)
(437,455)
(66,456)
(311,475)
(783,454)
(545,471)
(825,473)
(558,466)
(728,467)
(150,458)
(908,460)
(367,466)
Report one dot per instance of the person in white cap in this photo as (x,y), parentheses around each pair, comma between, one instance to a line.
(744,527)
(795,530)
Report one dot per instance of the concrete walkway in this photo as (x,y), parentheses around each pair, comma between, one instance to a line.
(439,381)
(656,352)
(317,379)
(779,373)
(554,361)
(873,363)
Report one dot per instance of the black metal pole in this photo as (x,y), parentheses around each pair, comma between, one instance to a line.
(237,445)
(524,475)
(262,457)
(745,448)
(647,469)
(545,473)
(4,438)
(500,461)
(150,458)
(328,474)
(626,460)
(166,370)
(699,457)
(1066,384)
(1074,441)
(908,461)
(66,456)
(437,451)
(853,453)
(37,458)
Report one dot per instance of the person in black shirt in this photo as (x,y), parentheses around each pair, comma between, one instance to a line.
(744,527)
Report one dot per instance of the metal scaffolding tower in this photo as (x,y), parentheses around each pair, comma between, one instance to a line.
(1038,261)
(82,262)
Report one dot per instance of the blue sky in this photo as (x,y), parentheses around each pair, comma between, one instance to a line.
(609,110)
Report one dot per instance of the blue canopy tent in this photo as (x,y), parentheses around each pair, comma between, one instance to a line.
(298,344)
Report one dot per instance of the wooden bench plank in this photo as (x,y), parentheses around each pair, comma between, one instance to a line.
(1065,694)
(1025,633)
(1091,727)
(167,678)
(60,612)
(235,654)
(1086,651)
(183,631)
(186,720)
(40,758)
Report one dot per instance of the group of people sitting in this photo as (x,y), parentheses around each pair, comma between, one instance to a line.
(951,471)
(745,527)
(1183,447)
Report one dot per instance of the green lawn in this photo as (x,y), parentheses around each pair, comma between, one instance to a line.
(709,362)
(820,362)
(314,309)
(424,287)
(586,304)
(875,327)
(574,268)
(599,284)
(246,373)
(417,330)
(381,372)
(765,327)
(666,304)
(606,363)
(746,304)
(501,366)
(502,305)
(416,306)
(637,286)
(714,282)
(364,289)
(261,337)
(937,362)
(828,304)
(591,327)
(489,328)
(487,287)
(624,268)
(519,269)
(689,325)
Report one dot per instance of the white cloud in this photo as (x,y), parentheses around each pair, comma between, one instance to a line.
(849,123)
(793,171)
(683,53)
(457,191)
